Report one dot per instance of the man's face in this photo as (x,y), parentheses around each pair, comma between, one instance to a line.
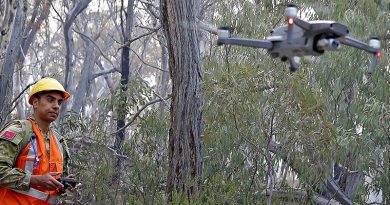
(47,107)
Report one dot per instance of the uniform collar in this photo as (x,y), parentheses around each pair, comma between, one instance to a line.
(35,121)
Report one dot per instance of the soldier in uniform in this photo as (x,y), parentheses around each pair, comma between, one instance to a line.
(32,155)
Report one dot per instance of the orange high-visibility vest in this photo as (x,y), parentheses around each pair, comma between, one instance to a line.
(35,152)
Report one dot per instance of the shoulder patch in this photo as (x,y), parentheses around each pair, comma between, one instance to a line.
(14,132)
(8,135)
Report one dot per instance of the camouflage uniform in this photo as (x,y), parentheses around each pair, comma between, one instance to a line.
(10,148)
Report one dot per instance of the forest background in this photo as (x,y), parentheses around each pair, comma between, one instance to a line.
(160,113)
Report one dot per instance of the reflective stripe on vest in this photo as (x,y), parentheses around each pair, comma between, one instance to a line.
(38,195)
(31,155)
(59,146)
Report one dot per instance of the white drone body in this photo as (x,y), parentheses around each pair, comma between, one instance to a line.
(301,38)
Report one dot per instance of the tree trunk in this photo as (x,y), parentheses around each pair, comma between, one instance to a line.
(163,80)
(125,75)
(185,154)
(21,110)
(33,27)
(85,78)
(6,20)
(6,77)
(78,7)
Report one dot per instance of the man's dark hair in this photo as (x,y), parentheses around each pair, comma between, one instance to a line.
(38,95)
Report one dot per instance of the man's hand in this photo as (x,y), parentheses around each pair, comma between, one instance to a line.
(70,186)
(46,181)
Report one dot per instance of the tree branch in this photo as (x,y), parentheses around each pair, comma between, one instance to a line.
(94,43)
(127,44)
(17,97)
(139,57)
(207,27)
(332,187)
(139,112)
(104,72)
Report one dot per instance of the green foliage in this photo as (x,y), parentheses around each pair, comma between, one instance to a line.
(136,92)
(259,119)
(317,113)
(142,157)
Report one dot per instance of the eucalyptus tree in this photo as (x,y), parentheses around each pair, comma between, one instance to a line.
(299,124)
(76,9)
(127,18)
(11,39)
(185,135)
(37,14)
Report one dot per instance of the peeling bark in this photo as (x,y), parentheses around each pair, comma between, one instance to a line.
(185,135)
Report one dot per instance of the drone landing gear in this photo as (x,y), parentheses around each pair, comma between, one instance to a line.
(294,63)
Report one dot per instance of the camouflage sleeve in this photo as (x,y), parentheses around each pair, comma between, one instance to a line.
(10,146)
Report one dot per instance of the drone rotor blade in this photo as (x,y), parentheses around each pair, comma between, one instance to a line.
(290,13)
(246,42)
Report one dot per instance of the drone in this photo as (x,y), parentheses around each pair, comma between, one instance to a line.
(301,38)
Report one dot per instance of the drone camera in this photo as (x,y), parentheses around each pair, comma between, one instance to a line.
(328,44)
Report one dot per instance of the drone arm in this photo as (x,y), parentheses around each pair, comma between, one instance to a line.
(291,16)
(372,48)
(301,23)
(358,44)
(245,42)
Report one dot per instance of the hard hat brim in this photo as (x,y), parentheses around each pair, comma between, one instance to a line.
(65,94)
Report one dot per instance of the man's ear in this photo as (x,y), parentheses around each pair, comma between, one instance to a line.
(35,102)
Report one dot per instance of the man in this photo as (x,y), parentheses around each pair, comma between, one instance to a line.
(32,155)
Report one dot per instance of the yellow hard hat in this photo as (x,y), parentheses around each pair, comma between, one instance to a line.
(47,84)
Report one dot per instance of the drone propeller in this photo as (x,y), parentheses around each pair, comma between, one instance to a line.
(291,16)
(374,43)
(290,13)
